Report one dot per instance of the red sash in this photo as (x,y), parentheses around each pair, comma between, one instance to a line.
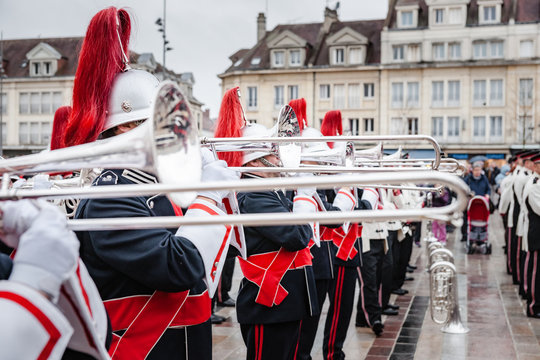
(145,318)
(345,242)
(266,271)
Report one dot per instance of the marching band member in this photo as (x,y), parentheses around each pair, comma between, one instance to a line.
(510,202)
(346,259)
(322,253)
(374,248)
(49,301)
(151,280)
(531,203)
(521,182)
(278,288)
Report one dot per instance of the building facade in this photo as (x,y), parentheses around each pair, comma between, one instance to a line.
(463,71)
(38,78)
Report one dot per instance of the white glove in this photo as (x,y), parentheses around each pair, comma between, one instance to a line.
(207,157)
(217,171)
(306,191)
(17,218)
(47,252)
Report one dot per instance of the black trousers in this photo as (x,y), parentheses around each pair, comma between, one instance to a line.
(416,233)
(341,296)
(370,277)
(533,281)
(225,282)
(310,324)
(522,270)
(271,341)
(387,277)
(514,254)
(400,270)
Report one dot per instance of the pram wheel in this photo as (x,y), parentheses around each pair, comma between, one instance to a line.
(470,249)
(488,249)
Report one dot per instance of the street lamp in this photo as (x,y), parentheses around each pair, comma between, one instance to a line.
(160,22)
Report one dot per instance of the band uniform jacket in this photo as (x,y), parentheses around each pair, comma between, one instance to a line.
(126,264)
(299,283)
(532,203)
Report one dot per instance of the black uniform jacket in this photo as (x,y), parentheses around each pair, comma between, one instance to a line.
(534,226)
(300,283)
(124,263)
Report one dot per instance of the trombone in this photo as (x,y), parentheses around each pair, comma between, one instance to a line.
(167,140)
(247,144)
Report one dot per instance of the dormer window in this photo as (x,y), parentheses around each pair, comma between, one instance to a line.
(347,47)
(355,56)
(454,17)
(41,68)
(287,49)
(490,14)
(407,16)
(448,12)
(294,58)
(489,11)
(406,19)
(278,58)
(339,56)
(42,60)
(36,68)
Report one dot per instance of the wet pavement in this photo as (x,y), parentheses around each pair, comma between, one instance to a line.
(489,304)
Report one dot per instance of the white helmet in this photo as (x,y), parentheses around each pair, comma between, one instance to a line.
(132,98)
(256,131)
(311,147)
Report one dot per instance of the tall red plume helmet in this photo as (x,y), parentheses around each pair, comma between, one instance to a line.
(229,124)
(59,126)
(100,60)
(332,125)
(299,106)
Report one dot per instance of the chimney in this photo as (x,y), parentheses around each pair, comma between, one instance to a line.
(330,16)
(261,26)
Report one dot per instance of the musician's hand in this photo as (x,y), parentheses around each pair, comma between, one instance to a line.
(17,216)
(217,171)
(47,251)
(306,191)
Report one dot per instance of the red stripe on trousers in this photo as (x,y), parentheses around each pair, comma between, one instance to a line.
(337,308)
(298,342)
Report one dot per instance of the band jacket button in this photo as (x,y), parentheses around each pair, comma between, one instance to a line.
(214,273)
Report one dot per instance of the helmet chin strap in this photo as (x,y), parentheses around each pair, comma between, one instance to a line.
(268,163)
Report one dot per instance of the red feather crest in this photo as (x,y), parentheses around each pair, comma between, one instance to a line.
(332,125)
(100,60)
(229,125)
(59,126)
(299,106)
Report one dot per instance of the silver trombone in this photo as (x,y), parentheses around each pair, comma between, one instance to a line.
(250,144)
(166,145)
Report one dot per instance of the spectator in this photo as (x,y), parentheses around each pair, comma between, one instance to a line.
(440,199)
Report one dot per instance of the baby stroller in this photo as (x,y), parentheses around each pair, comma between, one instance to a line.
(477,219)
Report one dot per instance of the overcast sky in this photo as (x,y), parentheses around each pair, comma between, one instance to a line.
(203,33)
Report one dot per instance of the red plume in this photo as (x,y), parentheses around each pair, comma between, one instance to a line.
(229,124)
(59,125)
(299,107)
(100,60)
(332,125)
